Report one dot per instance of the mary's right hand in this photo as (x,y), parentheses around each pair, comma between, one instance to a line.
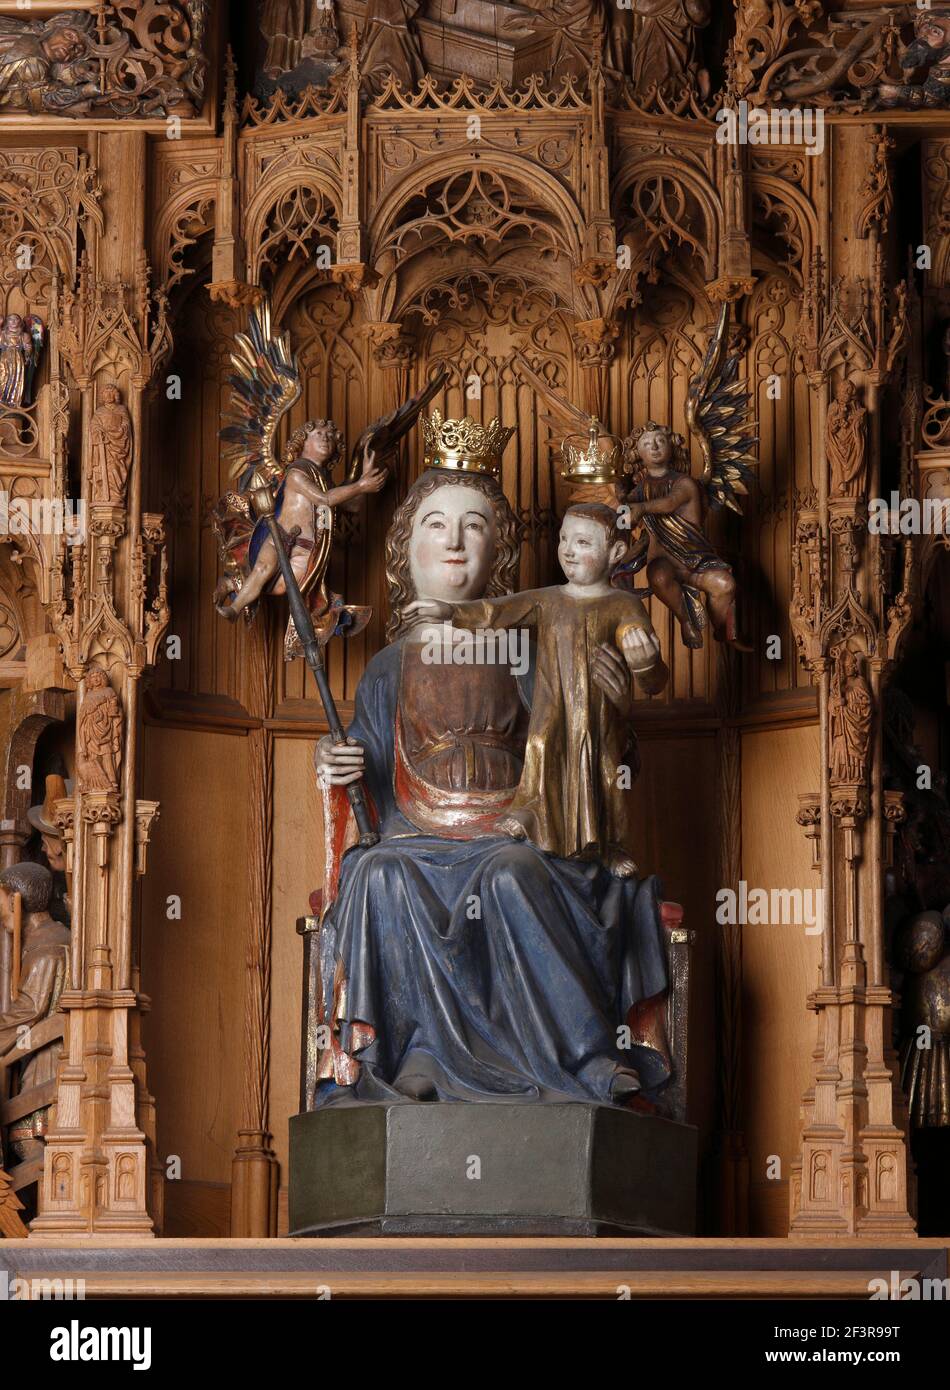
(339,764)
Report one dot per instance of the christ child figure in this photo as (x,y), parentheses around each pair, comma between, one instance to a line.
(307,489)
(573,799)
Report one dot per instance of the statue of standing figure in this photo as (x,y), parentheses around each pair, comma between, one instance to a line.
(390,45)
(655,43)
(21,343)
(99,735)
(111,432)
(845,441)
(851,710)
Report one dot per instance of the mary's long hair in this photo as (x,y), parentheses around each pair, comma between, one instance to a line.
(504,568)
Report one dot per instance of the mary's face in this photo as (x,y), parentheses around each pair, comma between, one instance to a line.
(452,544)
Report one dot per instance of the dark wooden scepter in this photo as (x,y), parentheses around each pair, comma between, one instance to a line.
(262,500)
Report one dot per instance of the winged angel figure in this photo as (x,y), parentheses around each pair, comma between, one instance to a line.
(668,506)
(265,384)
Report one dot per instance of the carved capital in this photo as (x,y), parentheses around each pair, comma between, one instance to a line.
(107,522)
(727,289)
(146,814)
(849,803)
(596,271)
(595,341)
(102,811)
(237,294)
(809,818)
(390,346)
(64,818)
(354,276)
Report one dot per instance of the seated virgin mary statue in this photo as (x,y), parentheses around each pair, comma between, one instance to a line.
(456,963)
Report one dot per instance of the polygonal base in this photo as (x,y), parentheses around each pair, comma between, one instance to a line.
(497,1168)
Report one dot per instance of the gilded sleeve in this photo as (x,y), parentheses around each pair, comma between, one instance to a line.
(510,610)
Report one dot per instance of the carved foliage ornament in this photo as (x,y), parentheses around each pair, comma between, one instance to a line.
(886,57)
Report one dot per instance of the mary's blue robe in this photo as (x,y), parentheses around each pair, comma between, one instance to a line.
(487,969)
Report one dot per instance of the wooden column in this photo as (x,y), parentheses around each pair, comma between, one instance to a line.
(110,612)
(852,1175)
(254,1168)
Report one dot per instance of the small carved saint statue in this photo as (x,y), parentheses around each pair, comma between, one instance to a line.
(844,442)
(21,342)
(584,808)
(111,448)
(99,735)
(851,712)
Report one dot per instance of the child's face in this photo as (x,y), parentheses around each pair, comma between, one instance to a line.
(583,552)
(321,443)
(654,447)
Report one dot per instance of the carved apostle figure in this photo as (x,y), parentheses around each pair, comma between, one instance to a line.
(577,29)
(99,739)
(53,843)
(43,969)
(111,448)
(659,49)
(844,442)
(851,713)
(390,46)
(283,25)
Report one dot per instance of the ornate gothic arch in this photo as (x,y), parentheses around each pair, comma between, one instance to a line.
(786,215)
(181,223)
(661,202)
(455,199)
(291,213)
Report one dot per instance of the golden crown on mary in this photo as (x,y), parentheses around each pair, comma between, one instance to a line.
(465,446)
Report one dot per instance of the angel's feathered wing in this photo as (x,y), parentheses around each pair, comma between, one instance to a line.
(385,433)
(264,385)
(717,410)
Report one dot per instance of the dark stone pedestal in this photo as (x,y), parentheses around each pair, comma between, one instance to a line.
(498,1168)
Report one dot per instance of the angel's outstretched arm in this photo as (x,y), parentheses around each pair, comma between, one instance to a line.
(371,480)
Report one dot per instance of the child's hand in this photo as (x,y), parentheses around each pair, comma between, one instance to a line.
(640,648)
(428,610)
